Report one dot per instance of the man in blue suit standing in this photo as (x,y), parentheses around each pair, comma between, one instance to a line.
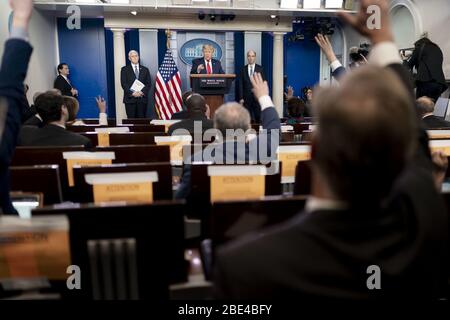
(207,65)
(14,66)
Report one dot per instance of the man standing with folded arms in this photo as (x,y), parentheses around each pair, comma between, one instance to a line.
(135,99)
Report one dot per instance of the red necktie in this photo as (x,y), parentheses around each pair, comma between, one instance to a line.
(208,67)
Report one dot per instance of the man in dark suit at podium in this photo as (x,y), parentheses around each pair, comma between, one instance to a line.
(207,65)
(62,82)
(135,101)
(246,97)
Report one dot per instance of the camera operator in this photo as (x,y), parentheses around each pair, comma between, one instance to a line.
(358,56)
(427,59)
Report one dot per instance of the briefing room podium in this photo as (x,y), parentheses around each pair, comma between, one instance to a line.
(213,87)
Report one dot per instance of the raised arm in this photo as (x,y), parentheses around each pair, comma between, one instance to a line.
(16,57)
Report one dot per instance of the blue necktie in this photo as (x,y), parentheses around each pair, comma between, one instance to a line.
(136,72)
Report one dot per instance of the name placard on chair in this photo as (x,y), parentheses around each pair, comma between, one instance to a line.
(176,144)
(131,187)
(289,156)
(237,182)
(103,134)
(86,159)
(440,145)
(33,251)
(438,134)
(166,123)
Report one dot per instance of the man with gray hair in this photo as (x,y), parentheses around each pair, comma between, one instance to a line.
(135,100)
(425,108)
(233,141)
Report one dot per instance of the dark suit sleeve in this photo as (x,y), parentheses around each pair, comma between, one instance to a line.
(339,73)
(271,124)
(62,86)
(220,68)
(124,83)
(13,70)
(263,74)
(241,85)
(195,65)
(147,82)
(413,61)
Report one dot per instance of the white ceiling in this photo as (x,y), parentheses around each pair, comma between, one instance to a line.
(182,7)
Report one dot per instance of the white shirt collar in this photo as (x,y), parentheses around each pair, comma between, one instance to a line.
(317,204)
(427,115)
(65,77)
(134,65)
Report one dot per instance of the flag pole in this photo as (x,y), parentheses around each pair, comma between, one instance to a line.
(168,36)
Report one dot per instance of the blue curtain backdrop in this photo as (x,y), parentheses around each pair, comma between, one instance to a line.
(84,51)
(302,62)
(90,55)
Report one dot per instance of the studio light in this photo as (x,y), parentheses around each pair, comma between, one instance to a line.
(289,4)
(311,4)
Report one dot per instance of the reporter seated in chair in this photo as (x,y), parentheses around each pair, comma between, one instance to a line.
(73,107)
(54,115)
(425,108)
(198,118)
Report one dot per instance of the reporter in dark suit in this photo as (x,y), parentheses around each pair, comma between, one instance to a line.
(207,65)
(197,110)
(135,102)
(13,70)
(246,96)
(234,116)
(55,115)
(425,108)
(427,58)
(183,114)
(360,214)
(62,82)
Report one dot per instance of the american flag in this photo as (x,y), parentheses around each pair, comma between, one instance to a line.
(168,88)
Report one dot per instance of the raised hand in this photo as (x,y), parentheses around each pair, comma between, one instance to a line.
(22,12)
(325,45)
(360,22)
(260,87)
(200,68)
(101,104)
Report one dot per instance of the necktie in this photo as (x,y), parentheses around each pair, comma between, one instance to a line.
(251,71)
(208,67)
(136,72)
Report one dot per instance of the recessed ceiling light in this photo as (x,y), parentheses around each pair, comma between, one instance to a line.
(273,16)
(134,13)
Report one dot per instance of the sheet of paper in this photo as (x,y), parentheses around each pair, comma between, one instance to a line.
(137,86)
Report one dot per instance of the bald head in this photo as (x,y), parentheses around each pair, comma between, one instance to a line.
(251,57)
(363,140)
(196,105)
(231,116)
(425,106)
